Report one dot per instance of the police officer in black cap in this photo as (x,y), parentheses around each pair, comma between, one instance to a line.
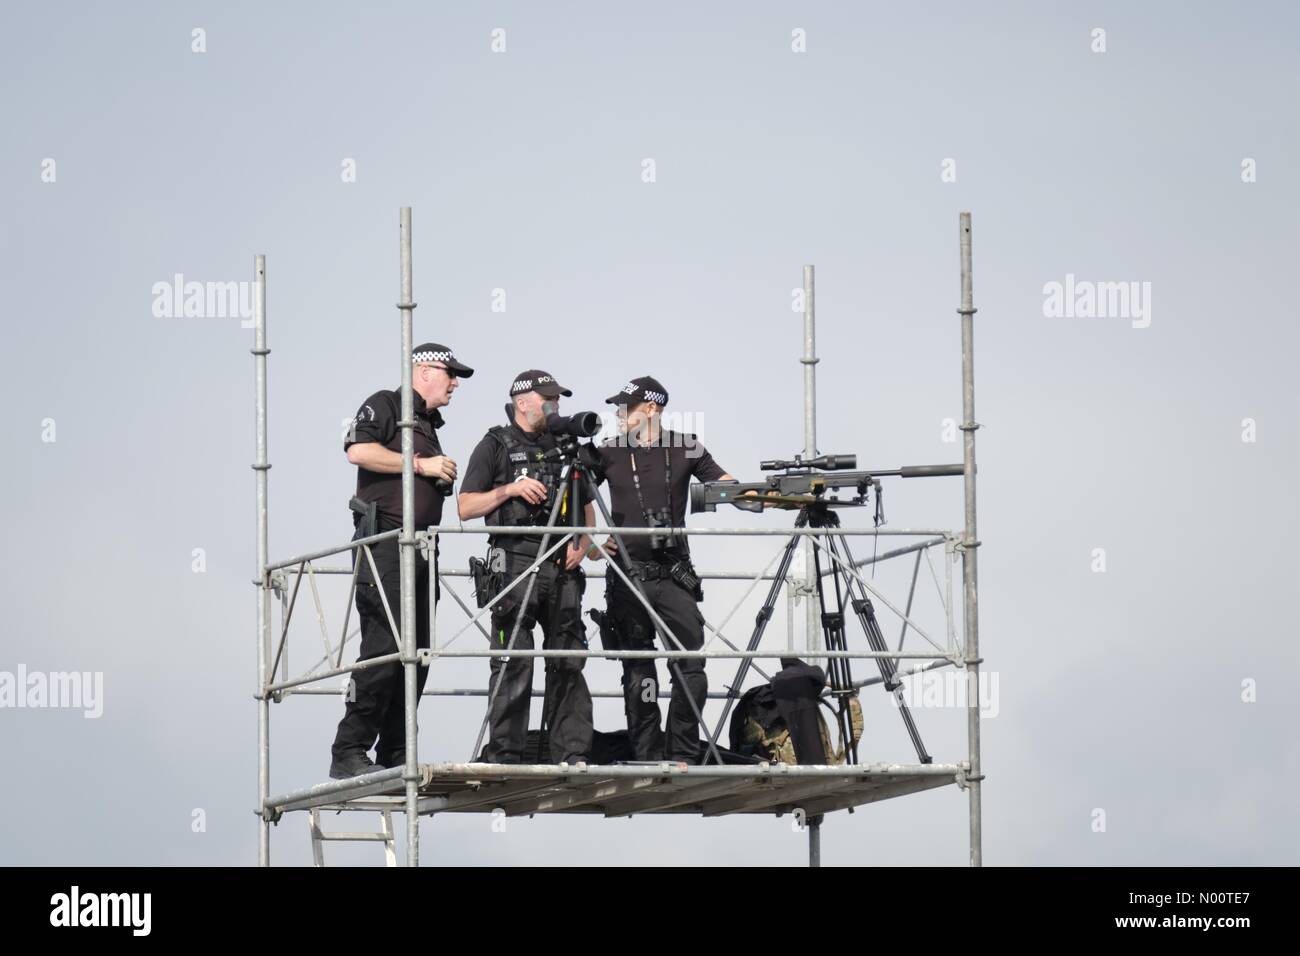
(511,481)
(376,702)
(649,470)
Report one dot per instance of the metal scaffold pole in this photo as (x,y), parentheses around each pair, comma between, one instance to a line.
(809,362)
(411,772)
(260,468)
(970,542)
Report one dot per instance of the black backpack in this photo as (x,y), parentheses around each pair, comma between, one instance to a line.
(781,721)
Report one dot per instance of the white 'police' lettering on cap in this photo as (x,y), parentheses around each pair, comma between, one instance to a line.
(528,384)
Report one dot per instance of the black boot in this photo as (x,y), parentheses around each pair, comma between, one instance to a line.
(351,765)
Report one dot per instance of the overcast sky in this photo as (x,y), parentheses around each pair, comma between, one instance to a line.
(1136,458)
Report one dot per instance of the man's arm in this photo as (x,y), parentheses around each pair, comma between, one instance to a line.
(373,456)
(478,495)
(373,429)
(476,504)
(579,546)
(704,468)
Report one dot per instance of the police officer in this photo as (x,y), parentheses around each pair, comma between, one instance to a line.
(511,481)
(376,704)
(649,470)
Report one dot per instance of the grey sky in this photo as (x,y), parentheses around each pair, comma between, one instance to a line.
(1119,690)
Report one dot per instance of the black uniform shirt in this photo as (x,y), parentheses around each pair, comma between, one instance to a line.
(376,421)
(686,458)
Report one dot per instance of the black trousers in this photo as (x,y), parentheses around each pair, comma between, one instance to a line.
(556,604)
(376,707)
(680,611)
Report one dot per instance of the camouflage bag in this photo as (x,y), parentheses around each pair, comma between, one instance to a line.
(760,726)
(759,730)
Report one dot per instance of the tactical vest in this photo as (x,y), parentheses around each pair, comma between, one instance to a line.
(526,458)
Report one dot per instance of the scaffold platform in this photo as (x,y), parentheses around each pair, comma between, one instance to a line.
(625,790)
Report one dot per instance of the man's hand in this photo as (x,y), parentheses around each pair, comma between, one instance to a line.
(530,489)
(610,547)
(437,466)
(573,557)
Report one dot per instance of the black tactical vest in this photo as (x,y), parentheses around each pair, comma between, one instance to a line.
(525,457)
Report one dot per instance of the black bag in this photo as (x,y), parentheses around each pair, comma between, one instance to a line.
(781,722)
(797,688)
(606,749)
(758,729)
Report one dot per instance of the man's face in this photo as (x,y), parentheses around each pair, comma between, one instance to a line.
(435,383)
(529,404)
(634,420)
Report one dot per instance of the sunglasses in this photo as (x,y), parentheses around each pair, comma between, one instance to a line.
(451,373)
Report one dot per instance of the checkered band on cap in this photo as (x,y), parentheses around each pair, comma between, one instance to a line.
(647,394)
(528,384)
(419,357)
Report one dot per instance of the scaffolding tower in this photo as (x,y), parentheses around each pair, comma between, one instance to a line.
(622,789)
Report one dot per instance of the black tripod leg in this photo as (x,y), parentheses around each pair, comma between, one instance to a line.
(866,613)
(841,675)
(760,625)
(514,631)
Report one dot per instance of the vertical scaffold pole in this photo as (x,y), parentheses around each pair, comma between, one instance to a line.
(970,542)
(411,775)
(809,362)
(261,466)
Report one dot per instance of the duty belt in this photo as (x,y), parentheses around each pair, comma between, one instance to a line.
(651,570)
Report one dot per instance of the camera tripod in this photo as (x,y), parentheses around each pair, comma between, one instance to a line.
(819,514)
(577,487)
